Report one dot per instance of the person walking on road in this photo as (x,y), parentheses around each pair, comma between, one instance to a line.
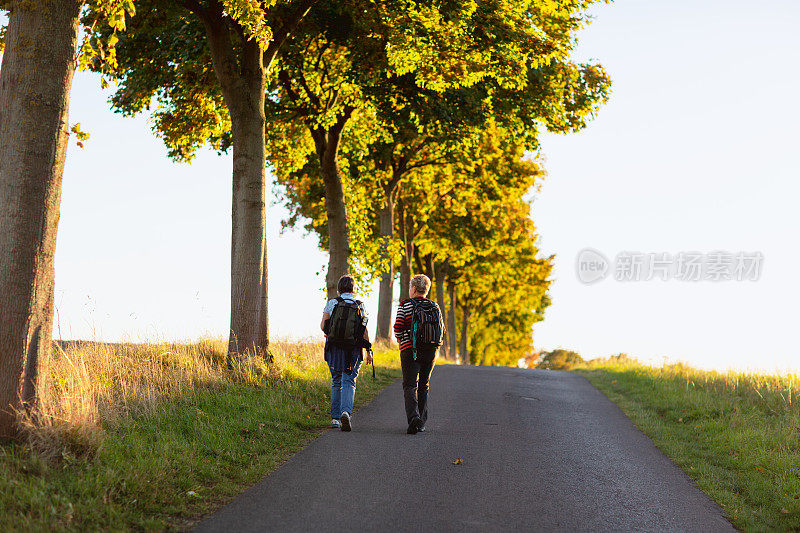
(344,322)
(419,329)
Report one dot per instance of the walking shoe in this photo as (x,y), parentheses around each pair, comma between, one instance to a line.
(335,423)
(414,425)
(346,421)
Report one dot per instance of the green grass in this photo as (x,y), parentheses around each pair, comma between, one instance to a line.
(167,467)
(735,434)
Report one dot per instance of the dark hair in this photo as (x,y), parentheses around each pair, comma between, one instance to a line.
(346,284)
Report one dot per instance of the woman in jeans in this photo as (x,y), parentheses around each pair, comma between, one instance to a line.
(344,363)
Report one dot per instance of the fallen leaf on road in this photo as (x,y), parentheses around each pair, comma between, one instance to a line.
(458,461)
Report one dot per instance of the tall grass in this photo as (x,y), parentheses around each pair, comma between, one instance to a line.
(150,437)
(90,385)
(774,394)
(735,433)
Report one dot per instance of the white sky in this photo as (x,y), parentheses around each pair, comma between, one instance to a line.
(694,152)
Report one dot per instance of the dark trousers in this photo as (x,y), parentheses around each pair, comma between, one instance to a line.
(416,375)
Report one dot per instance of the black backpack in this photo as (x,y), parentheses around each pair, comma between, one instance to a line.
(346,324)
(427,325)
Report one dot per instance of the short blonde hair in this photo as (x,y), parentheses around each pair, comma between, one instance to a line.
(422,283)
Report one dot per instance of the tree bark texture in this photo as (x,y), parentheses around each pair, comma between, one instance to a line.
(249,291)
(386,216)
(327,146)
(243,83)
(35,82)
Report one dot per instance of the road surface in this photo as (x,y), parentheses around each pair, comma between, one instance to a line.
(540,451)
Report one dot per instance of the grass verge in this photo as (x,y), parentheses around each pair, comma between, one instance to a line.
(735,434)
(152,437)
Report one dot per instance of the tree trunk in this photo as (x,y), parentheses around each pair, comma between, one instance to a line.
(386,215)
(338,231)
(35,82)
(249,309)
(408,251)
(327,145)
(465,312)
(441,272)
(242,79)
(430,271)
(451,319)
(405,278)
(243,89)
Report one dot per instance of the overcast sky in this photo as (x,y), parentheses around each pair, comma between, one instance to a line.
(694,153)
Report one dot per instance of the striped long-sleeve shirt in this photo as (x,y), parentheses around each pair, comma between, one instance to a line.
(404,322)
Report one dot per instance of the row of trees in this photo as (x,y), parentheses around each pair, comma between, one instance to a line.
(397,130)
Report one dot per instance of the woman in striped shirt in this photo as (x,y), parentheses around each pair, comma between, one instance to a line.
(416,373)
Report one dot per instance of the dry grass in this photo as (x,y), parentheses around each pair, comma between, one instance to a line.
(92,384)
(151,437)
(774,393)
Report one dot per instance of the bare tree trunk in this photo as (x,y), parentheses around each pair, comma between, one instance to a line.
(465,312)
(35,82)
(451,319)
(387,278)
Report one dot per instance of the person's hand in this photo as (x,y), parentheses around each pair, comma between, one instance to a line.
(368,360)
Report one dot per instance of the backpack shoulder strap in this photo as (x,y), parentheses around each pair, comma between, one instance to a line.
(339,300)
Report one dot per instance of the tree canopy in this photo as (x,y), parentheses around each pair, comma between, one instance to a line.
(403,134)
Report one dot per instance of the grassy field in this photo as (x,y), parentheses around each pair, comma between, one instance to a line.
(735,434)
(152,437)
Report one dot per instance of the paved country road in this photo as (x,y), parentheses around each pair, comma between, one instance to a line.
(541,451)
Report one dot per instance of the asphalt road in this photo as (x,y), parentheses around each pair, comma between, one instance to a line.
(540,451)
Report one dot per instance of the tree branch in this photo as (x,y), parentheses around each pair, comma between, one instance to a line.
(280,35)
(223,58)
(311,94)
(337,128)
(286,81)
(331,103)
(428,162)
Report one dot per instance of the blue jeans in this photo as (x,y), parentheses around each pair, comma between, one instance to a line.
(343,391)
